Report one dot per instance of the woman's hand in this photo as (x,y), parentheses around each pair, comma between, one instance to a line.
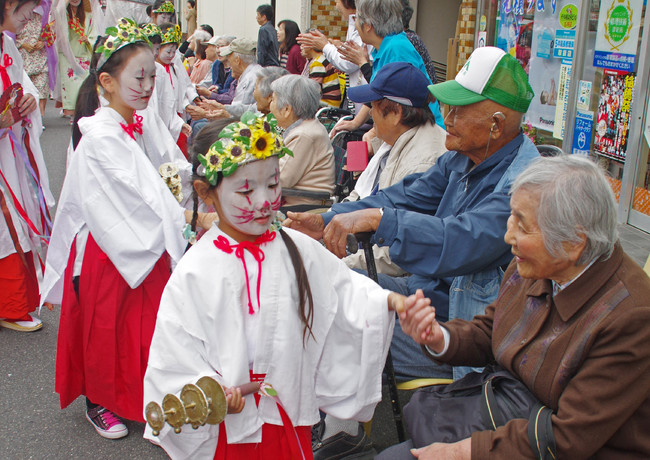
(6,121)
(203,91)
(27,105)
(186,129)
(39,45)
(343,125)
(314,39)
(354,53)
(461,450)
(235,400)
(418,320)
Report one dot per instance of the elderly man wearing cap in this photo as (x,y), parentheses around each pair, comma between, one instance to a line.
(446,226)
(241,55)
(408,140)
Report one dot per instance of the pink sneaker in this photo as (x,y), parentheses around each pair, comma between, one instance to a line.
(106,423)
(25,324)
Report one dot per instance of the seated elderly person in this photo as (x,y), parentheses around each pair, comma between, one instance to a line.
(445,226)
(294,104)
(571,322)
(244,68)
(263,92)
(409,140)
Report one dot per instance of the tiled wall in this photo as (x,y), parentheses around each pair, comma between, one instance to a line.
(326,18)
(466,31)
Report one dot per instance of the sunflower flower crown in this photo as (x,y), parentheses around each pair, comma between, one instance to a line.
(172,35)
(166,7)
(124,33)
(151,30)
(255,137)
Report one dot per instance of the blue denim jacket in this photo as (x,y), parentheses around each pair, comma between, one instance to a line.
(446,226)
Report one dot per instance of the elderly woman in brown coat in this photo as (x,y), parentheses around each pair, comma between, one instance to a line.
(571,322)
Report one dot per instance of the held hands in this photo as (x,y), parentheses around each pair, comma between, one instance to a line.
(235,400)
(305,222)
(336,233)
(418,320)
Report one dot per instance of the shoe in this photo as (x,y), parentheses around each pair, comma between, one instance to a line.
(106,423)
(342,445)
(25,324)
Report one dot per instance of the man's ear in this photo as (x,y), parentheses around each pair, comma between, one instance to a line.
(202,189)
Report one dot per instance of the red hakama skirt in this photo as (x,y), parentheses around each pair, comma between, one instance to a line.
(277,444)
(105,333)
(18,285)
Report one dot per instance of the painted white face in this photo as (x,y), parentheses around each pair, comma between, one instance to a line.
(162,18)
(167,53)
(251,196)
(155,47)
(137,79)
(16,20)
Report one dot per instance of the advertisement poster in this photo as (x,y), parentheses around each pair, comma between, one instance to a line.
(551,30)
(515,29)
(618,34)
(582,132)
(612,119)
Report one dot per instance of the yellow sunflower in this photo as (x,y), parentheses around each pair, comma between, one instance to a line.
(236,152)
(262,144)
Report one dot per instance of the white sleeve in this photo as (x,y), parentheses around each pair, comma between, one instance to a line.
(337,60)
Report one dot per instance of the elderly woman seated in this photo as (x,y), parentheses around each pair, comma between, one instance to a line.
(294,104)
(571,322)
(263,92)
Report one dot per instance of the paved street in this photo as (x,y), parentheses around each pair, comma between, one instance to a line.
(32,425)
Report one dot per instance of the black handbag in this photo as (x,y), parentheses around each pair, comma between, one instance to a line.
(477,402)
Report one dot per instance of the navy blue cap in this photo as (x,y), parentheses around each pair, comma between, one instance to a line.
(398,81)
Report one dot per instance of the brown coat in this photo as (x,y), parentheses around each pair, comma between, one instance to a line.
(585,353)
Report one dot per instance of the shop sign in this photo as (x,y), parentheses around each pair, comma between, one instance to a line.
(618,34)
(613,116)
(564,41)
(582,130)
(518,7)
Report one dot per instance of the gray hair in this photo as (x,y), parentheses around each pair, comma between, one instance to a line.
(201,36)
(300,93)
(227,38)
(385,16)
(575,199)
(247,59)
(266,76)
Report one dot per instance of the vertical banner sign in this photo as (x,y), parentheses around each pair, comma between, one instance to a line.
(550,62)
(582,132)
(618,34)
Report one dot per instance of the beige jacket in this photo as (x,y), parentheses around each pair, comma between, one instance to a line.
(415,151)
(312,164)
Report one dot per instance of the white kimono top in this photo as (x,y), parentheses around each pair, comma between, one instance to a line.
(112,190)
(169,95)
(14,168)
(204,329)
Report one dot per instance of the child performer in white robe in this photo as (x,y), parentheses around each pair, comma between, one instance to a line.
(24,189)
(171,87)
(251,301)
(117,230)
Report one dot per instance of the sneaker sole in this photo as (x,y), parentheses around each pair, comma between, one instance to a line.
(17,327)
(108,434)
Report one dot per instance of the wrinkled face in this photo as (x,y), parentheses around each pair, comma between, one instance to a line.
(211,52)
(162,18)
(249,199)
(137,79)
(167,53)
(263,102)
(525,237)
(281,33)
(16,18)
(468,128)
(283,115)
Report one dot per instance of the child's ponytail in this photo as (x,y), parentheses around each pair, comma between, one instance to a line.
(305,299)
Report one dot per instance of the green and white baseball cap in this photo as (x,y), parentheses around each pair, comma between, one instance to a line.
(489,73)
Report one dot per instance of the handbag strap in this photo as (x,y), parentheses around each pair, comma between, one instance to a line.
(490,410)
(540,433)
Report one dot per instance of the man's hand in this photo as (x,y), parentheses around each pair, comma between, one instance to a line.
(209,104)
(367,138)
(216,114)
(196,113)
(27,105)
(418,320)
(315,39)
(336,233)
(306,222)
(461,450)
